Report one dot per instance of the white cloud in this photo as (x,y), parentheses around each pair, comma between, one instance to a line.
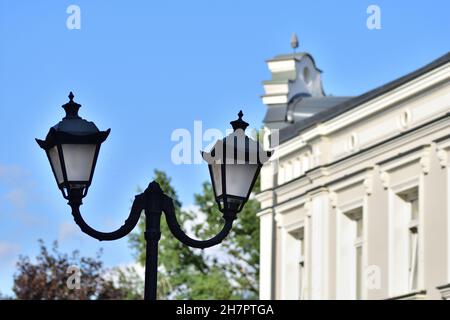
(8,253)
(140,270)
(68,230)
(112,274)
(8,249)
(18,191)
(17,197)
(12,173)
(200,218)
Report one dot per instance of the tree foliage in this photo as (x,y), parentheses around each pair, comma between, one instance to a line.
(188,273)
(52,277)
(241,248)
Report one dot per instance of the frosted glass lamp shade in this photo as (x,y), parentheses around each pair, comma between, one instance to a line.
(73,164)
(55,162)
(239,178)
(79,162)
(232,184)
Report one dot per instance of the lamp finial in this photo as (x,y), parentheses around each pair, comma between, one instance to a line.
(71,108)
(239,123)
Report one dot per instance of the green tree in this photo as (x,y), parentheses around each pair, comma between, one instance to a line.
(241,247)
(188,273)
(126,282)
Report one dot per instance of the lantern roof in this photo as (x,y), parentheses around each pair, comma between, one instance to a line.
(73,129)
(237,147)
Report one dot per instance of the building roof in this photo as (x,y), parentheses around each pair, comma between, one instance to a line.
(304,107)
(301,107)
(290,131)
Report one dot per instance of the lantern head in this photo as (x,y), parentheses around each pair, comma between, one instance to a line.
(72,147)
(234,164)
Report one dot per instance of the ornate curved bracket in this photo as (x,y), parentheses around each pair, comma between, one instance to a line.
(154,202)
(125,229)
(174,226)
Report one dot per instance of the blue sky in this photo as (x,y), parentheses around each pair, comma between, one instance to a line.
(146,68)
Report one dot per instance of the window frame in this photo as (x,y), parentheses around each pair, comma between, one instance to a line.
(353,211)
(413,264)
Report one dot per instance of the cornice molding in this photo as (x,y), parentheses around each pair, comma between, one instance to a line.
(445,291)
(264,195)
(365,110)
(264,212)
(289,205)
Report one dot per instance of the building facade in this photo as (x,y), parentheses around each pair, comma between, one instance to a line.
(356,204)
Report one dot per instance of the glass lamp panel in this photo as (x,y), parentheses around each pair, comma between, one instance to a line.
(239,178)
(79,159)
(216,172)
(55,162)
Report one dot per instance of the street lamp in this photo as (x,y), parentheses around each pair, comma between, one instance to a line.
(72,147)
(234,165)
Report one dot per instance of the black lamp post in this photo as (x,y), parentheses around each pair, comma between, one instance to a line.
(73,145)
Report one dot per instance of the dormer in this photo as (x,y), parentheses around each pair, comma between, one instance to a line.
(292,75)
(295,91)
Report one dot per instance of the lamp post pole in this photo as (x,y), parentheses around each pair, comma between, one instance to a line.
(152,237)
(73,145)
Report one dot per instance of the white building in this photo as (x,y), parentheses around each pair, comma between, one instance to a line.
(358,204)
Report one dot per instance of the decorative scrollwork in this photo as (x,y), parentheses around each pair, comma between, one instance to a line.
(385,179)
(442,156)
(176,230)
(121,232)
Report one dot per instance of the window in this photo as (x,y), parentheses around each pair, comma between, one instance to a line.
(350,250)
(405,245)
(413,244)
(293,275)
(359,254)
(301,265)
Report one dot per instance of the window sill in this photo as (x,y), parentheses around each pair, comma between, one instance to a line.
(414,295)
(445,291)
